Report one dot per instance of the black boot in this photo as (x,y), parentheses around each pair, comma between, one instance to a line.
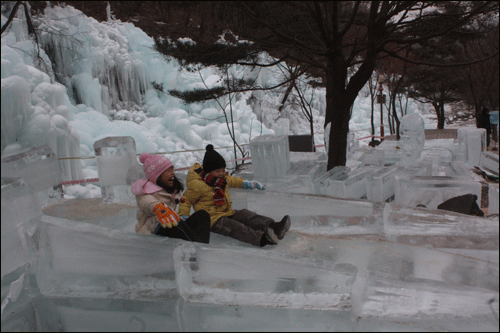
(282,227)
(269,238)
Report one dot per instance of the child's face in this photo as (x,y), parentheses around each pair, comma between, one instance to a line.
(219,172)
(168,176)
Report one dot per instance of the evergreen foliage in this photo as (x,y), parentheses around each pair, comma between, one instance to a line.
(217,54)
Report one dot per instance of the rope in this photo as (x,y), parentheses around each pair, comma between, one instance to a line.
(96,180)
(162,153)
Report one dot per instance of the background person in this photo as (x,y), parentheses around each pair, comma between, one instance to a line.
(483,121)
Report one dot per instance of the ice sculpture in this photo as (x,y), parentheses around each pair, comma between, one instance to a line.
(229,276)
(40,168)
(115,156)
(270,156)
(412,139)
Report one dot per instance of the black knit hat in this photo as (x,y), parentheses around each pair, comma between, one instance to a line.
(212,160)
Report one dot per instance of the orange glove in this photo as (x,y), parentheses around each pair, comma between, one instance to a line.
(166,216)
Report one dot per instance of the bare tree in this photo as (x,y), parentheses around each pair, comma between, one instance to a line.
(340,42)
(332,37)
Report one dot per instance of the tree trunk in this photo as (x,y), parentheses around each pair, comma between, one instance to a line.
(440,115)
(373,110)
(395,115)
(338,107)
(337,114)
(339,100)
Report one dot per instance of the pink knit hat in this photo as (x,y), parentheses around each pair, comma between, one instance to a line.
(154,165)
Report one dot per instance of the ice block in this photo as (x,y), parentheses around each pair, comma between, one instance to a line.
(489,162)
(372,156)
(354,186)
(321,178)
(493,199)
(380,184)
(248,277)
(39,167)
(409,187)
(115,156)
(198,317)
(449,229)
(79,259)
(474,140)
(425,285)
(20,208)
(270,156)
(392,151)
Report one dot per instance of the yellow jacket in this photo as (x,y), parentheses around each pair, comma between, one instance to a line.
(201,196)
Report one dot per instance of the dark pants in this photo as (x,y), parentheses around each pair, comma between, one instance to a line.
(244,225)
(195,228)
(494,132)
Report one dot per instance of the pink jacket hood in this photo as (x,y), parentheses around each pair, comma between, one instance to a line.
(145,186)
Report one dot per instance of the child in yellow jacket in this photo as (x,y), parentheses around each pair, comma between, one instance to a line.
(208,189)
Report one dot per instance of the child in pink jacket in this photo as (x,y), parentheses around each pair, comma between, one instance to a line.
(157,197)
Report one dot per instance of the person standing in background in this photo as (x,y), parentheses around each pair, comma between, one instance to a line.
(483,121)
(494,127)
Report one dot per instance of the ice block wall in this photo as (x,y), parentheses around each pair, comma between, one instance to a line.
(270,156)
(78,259)
(230,276)
(115,156)
(20,206)
(20,210)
